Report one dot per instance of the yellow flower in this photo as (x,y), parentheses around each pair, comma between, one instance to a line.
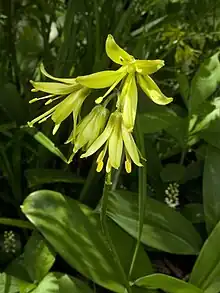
(69,89)
(115,139)
(88,129)
(131,71)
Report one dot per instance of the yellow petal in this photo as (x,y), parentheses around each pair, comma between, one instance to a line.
(152,90)
(65,80)
(115,53)
(98,143)
(70,103)
(129,102)
(55,88)
(146,67)
(100,79)
(127,162)
(115,143)
(130,146)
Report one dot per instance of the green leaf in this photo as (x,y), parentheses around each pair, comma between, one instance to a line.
(157,121)
(38,257)
(166,283)
(8,284)
(211,187)
(213,288)
(183,86)
(69,284)
(172,172)
(193,212)
(73,236)
(164,228)
(49,284)
(41,176)
(13,104)
(204,82)
(142,264)
(207,267)
(45,141)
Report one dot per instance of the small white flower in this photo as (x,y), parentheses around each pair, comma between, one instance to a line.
(172,195)
(9,242)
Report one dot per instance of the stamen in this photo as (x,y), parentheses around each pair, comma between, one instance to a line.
(100,99)
(52,100)
(38,99)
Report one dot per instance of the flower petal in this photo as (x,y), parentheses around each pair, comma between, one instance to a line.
(115,145)
(65,80)
(55,88)
(146,67)
(130,146)
(70,103)
(101,139)
(100,79)
(152,90)
(115,53)
(129,102)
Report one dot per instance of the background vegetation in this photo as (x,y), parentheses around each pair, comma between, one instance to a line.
(179,186)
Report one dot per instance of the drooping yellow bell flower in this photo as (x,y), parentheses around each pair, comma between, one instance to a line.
(115,139)
(68,90)
(89,128)
(132,71)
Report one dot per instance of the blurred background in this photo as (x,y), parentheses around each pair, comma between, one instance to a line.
(68,36)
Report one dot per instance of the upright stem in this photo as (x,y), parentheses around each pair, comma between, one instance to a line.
(104,227)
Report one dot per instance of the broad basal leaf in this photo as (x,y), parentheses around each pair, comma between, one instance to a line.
(8,284)
(166,283)
(211,187)
(69,284)
(206,270)
(74,237)
(49,284)
(164,228)
(38,257)
(41,176)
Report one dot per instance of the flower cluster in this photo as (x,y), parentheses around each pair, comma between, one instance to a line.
(109,132)
(9,242)
(172,195)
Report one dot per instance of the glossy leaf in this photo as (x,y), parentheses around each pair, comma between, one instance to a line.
(45,141)
(49,284)
(73,236)
(39,176)
(166,283)
(206,270)
(205,82)
(8,284)
(38,257)
(69,284)
(211,187)
(164,228)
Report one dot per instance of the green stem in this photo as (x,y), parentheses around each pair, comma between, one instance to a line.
(104,227)
(16,223)
(142,191)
